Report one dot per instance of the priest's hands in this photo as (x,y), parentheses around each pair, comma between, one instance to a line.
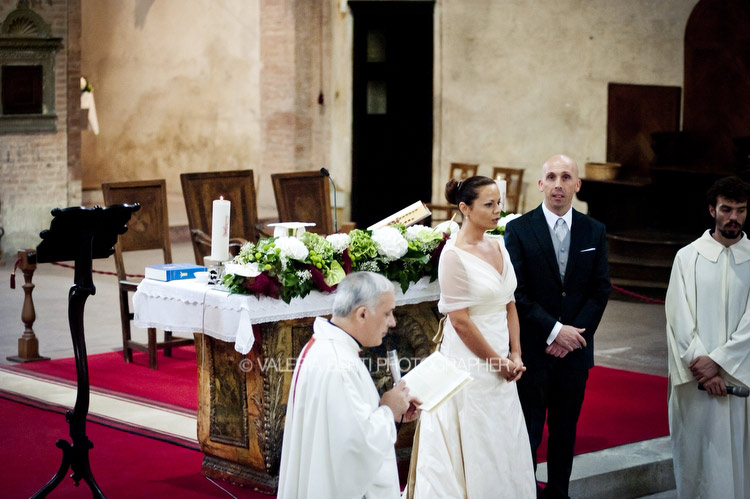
(401,403)
(703,369)
(715,386)
(413,412)
(706,372)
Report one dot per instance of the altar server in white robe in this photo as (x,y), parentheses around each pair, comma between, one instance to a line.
(339,434)
(708,336)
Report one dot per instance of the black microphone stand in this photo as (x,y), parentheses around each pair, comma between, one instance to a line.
(326,173)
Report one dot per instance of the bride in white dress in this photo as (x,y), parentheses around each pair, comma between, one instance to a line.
(475,445)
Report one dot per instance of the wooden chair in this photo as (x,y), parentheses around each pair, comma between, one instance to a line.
(443,211)
(148,229)
(462,171)
(514,179)
(199,191)
(304,197)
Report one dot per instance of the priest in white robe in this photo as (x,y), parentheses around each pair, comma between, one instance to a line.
(339,434)
(708,336)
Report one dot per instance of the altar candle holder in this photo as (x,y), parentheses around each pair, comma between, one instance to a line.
(215,270)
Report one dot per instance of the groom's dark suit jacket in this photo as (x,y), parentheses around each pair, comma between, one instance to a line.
(542,298)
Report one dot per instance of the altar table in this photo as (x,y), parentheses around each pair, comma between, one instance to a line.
(246,348)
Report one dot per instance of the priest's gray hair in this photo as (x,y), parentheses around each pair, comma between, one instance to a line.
(360,289)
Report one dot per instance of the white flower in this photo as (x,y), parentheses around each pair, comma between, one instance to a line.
(391,243)
(339,241)
(370,266)
(304,275)
(449,227)
(507,218)
(413,231)
(243,269)
(291,248)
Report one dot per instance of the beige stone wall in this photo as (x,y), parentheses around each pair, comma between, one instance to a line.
(518,81)
(177,89)
(35,172)
(195,86)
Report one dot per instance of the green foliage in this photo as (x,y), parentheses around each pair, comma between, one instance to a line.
(361,247)
(234,283)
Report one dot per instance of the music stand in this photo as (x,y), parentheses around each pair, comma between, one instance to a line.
(80,234)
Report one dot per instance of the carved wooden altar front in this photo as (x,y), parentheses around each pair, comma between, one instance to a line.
(242,398)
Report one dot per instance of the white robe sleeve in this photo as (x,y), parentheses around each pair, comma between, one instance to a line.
(682,337)
(734,355)
(363,438)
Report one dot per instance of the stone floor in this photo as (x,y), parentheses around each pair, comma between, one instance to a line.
(51,286)
(631,335)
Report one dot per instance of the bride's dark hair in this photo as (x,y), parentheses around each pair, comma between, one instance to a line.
(466,191)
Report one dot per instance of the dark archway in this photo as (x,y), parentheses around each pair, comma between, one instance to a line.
(392,107)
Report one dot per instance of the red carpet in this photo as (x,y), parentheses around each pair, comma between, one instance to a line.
(620,408)
(125,465)
(174,383)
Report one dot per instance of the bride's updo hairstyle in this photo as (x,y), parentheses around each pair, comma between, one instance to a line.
(467,190)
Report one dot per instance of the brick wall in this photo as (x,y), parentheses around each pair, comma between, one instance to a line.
(41,171)
(74,101)
(312,66)
(277,90)
(294,70)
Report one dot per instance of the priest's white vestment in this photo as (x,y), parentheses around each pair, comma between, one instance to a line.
(708,313)
(338,441)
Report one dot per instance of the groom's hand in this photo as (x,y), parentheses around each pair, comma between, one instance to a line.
(569,338)
(556,350)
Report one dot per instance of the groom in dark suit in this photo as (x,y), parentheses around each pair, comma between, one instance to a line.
(560,259)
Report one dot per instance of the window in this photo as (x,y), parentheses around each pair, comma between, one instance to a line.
(27,73)
(22,89)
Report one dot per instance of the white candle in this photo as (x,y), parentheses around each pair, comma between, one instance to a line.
(503,186)
(220,230)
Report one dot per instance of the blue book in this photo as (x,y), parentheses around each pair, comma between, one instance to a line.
(173,271)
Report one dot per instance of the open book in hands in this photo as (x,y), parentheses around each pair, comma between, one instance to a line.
(435,380)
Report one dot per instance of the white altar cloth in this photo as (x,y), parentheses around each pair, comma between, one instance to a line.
(187,306)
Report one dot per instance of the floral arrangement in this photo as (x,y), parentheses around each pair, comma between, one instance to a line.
(285,267)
